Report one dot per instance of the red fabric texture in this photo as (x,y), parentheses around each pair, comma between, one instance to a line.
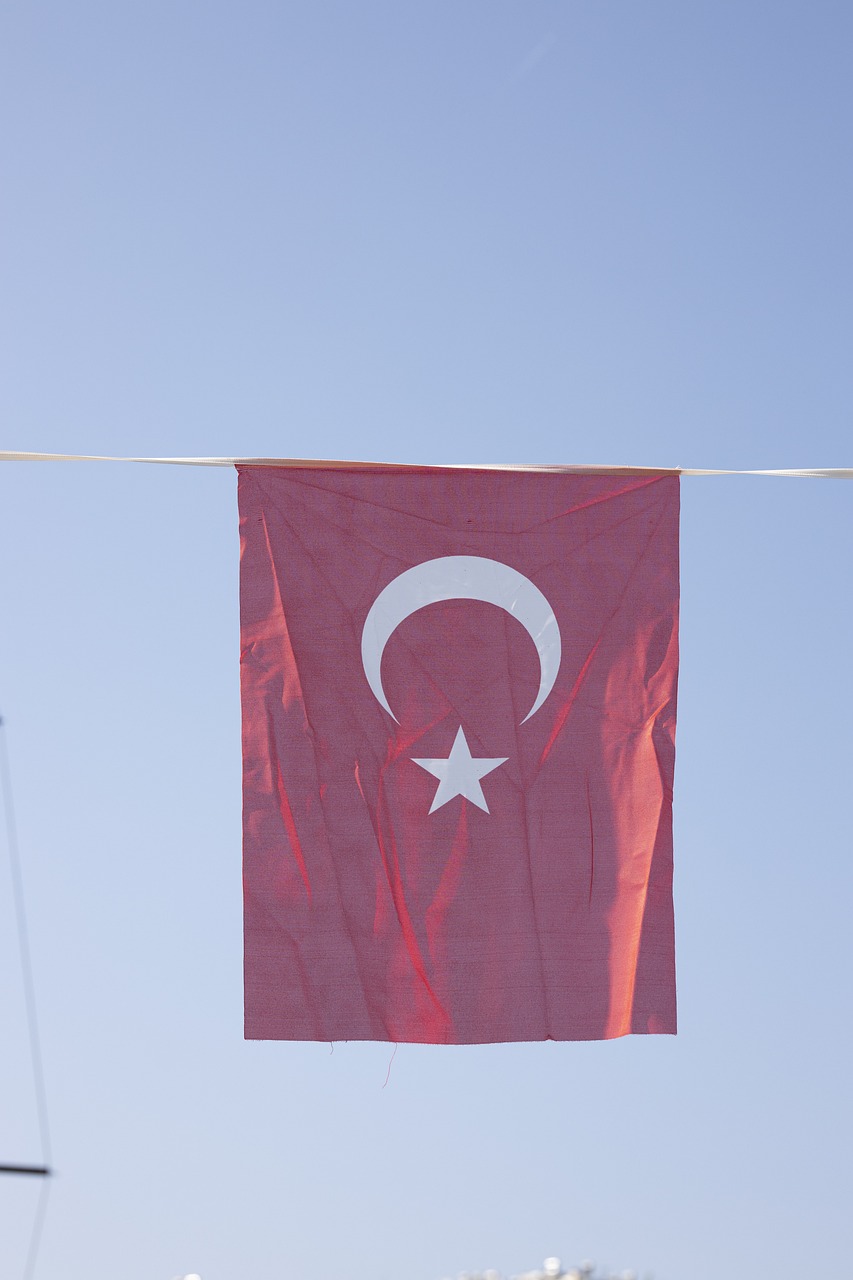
(366,916)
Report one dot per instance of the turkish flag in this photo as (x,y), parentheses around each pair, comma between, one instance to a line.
(458,692)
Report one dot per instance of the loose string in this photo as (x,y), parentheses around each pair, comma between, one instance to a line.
(390,1065)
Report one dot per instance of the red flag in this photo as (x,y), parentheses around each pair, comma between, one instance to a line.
(458,734)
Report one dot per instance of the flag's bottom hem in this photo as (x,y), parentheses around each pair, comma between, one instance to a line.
(357,1039)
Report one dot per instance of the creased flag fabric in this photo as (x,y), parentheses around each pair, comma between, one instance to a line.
(458,693)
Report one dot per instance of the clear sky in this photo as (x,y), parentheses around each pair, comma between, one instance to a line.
(585,231)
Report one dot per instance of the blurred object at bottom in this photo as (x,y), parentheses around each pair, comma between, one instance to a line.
(552,1269)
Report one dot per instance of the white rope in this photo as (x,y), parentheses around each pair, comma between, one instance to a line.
(821,473)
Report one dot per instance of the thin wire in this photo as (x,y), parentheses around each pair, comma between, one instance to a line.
(29,997)
(24,945)
(38,1227)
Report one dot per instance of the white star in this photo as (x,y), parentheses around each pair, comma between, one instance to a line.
(459,774)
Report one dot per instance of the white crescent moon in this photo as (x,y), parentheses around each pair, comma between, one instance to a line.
(461,578)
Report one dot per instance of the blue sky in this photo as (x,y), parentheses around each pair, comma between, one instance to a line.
(550,232)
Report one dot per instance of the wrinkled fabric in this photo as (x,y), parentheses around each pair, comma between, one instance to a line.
(548,913)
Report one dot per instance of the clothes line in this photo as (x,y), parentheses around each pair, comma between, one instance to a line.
(819,473)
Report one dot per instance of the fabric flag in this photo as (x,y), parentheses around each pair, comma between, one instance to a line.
(458,692)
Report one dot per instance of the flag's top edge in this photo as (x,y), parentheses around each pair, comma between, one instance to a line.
(829,473)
